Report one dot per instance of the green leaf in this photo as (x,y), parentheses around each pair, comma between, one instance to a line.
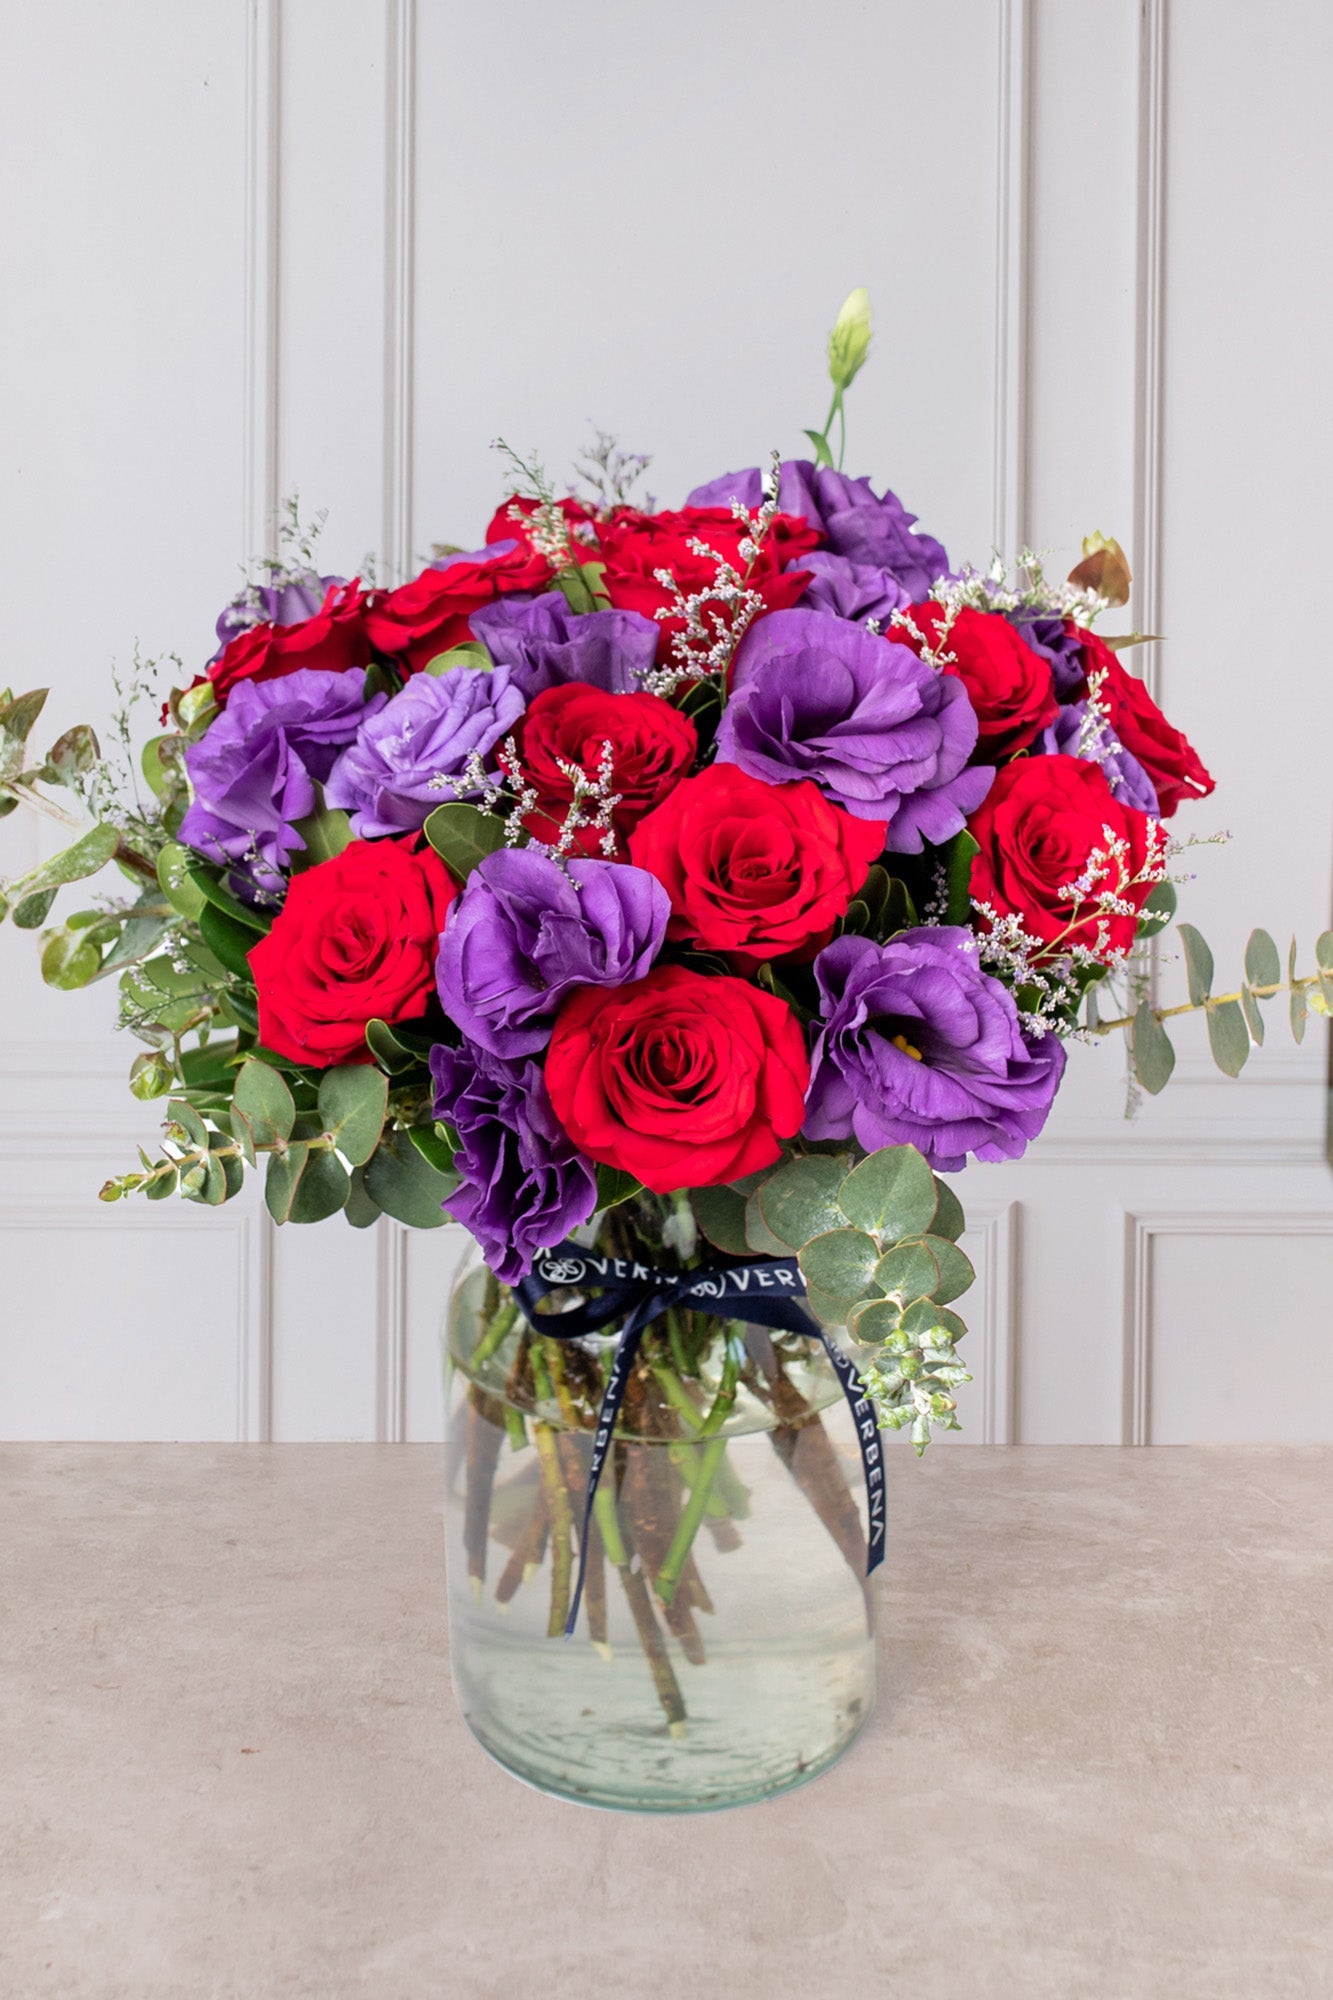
(265,1102)
(1254,1020)
(352,1103)
(283,1179)
(956,1272)
(150,1076)
(582,586)
(463,836)
(163,765)
(1198,964)
(87,856)
(949,1219)
(1323,953)
(1158,909)
(800,1200)
(720,1214)
(435,1149)
(924,1316)
(841,1263)
(908,1271)
(1263,967)
(957,858)
(68,961)
(758,1235)
(72,755)
(251,917)
(400,1182)
(388,1051)
(164,1186)
(1150,1047)
(1228,1037)
(322,1189)
(823,456)
(470,654)
(826,1309)
(875,1321)
(33,911)
(229,941)
(178,885)
(325,834)
(613,1185)
(206,1181)
(1299,1006)
(18,718)
(892,1192)
(360,1211)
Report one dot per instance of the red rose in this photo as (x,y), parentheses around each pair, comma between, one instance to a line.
(512,515)
(333,640)
(1171,761)
(652,747)
(1008,685)
(678,1079)
(635,546)
(424,618)
(759,870)
(1039,827)
(354,942)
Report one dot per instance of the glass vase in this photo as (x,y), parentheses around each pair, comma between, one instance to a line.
(724,1645)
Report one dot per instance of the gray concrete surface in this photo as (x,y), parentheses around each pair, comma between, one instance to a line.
(230,1764)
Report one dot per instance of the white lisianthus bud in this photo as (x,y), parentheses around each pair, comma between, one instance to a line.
(849,342)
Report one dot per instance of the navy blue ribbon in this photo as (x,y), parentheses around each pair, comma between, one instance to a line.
(766,1292)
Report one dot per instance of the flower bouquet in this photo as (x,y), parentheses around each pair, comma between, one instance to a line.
(671,897)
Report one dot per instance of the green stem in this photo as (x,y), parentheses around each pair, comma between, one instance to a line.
(505,1315)
(1212,1000)
(692,1513)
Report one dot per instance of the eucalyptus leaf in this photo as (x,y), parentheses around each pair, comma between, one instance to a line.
(72,755)
(1150,1046)
(68,961)
(908,1271)
(263,1099)
(956,1271)
(720,1214)
(1254,1020)
(191,1124)
(892,1192)
(400,1182)
(875,1321)
(1228,1037)
(352,1103)
(841,1263)
(33,911)
(827,1310)
(360,1211)
(18,719)
(283,1178)
(387,1050)
(463,836)
(88,855)
(925,1316)
(150,1076)
(949,1219)
(322,1189)
(206,1182)
(1159,907)
(1263,967)
(1299,1006)
(1198,964)
(759,1237)
(164,1186)
(800,1200)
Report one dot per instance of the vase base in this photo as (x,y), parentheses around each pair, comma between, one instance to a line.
(658,1794)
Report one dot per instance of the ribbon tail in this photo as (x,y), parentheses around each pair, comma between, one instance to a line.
(872,1451)
(612,1398)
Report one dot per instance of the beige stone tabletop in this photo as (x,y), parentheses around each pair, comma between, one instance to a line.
(230,1764)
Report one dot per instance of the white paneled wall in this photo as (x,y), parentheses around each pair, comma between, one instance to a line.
(336,246)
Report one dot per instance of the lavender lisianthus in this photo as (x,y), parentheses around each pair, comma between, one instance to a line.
(412,755)
(851,590)
(918,1046)
(879,731)
(1076,732)
(525,1184)
(524,933)
(545,644)
(254,773)
(1057,642)
(869,528)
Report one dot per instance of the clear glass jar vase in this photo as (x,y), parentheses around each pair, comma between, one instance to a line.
(724,1648)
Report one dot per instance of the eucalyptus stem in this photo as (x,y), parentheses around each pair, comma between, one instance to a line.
(1212,1000)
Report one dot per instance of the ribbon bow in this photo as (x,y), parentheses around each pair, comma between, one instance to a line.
(765,1292)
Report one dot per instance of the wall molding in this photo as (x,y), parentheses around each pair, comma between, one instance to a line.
(253,1328)
(995,1306)
(1013,153)
(1149,284)
(391,1251)
(1142,1228)
(259,433)
(396,553)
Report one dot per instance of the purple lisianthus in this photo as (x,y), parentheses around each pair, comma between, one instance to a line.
(918,1046)
(525,1184)
(524,933)
(285,603)
(879,731)
(1077,733)
(254,773)
(413,754)
(869,528)
(545,644)
(851,590)
(1056,640)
